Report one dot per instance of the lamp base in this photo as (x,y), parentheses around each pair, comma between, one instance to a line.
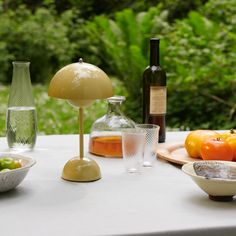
(81,170)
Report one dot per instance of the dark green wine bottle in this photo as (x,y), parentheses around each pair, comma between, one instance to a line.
(154,91)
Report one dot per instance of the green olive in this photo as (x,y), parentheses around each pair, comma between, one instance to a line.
(4,170)
(9,163)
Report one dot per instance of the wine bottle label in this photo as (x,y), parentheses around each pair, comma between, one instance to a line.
(157,100)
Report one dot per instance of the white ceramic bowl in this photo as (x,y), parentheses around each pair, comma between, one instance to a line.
(217,189)
(10,179)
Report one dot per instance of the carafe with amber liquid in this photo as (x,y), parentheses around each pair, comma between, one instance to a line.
(105,137)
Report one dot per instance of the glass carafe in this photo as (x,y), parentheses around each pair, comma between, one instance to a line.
(105,136)
(21,112)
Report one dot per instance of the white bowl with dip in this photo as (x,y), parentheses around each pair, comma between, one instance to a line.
(12,178)
(218,189)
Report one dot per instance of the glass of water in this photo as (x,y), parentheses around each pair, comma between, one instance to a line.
(21,113)
(133,141)
(151,141)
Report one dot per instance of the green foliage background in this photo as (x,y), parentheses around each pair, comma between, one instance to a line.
(56,116)
(198,51)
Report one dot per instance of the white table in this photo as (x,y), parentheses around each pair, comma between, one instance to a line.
(160,201)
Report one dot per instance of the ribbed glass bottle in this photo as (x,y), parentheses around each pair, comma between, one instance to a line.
(21,118)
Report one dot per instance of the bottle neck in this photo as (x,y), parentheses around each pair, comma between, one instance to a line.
(154,52)
(21,72)
(21,91)
(114,108)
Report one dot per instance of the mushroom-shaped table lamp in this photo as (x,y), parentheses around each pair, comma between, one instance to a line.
(80,84)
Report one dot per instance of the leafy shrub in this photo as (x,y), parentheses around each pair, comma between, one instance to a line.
(178,9)
(221,11)
(199,56)
(123,45)
(40,38)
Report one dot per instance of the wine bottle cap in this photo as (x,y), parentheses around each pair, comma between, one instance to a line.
(155,40)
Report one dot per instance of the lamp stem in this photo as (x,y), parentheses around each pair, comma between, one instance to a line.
(81,133)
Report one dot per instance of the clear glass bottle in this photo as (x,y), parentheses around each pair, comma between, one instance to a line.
(105,136)
(21,120)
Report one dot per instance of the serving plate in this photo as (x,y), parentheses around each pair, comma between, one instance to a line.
(175,153)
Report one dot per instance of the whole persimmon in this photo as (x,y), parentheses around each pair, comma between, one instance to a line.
(228,134)
(216,149)
(231,140)
(194,141)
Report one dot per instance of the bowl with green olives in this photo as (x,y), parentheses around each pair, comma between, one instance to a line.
(13,169)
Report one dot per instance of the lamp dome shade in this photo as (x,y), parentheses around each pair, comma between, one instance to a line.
(80,81)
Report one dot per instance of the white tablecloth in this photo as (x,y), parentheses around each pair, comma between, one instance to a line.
(160,201)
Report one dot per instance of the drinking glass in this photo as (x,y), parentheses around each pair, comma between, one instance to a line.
(151,141)
(132,148)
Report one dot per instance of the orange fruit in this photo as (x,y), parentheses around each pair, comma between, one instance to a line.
(195,139)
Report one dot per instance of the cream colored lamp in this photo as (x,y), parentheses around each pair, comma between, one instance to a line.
(80,84)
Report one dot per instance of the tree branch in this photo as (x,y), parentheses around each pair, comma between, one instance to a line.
(218,99)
